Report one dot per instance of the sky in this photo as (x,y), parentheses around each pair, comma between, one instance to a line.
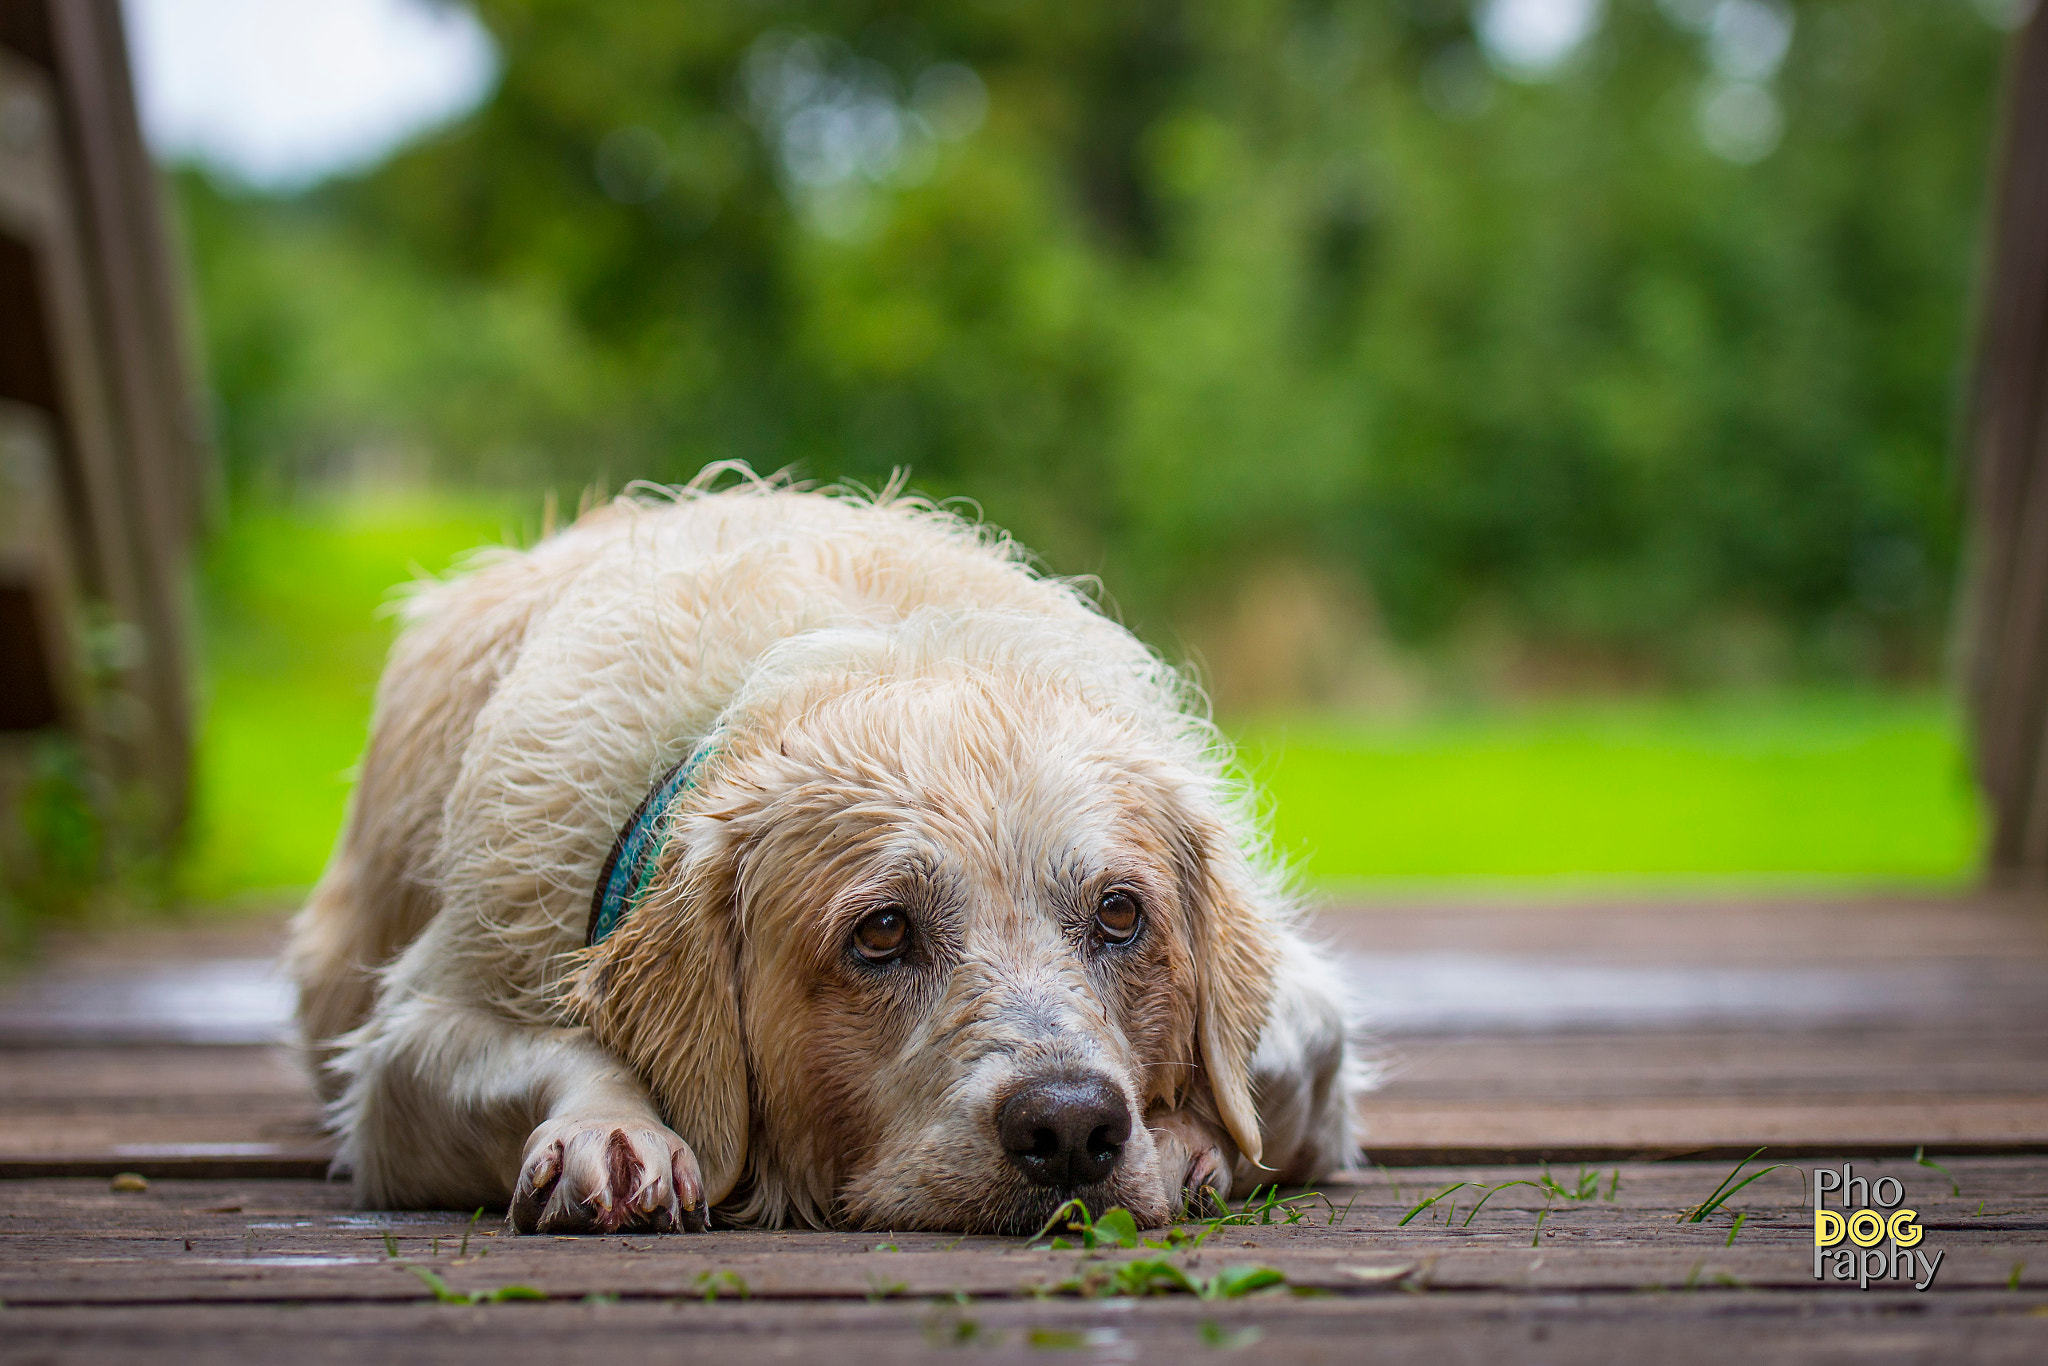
(282,93)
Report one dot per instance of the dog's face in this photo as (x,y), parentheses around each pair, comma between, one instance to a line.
(974,938)
(969,974)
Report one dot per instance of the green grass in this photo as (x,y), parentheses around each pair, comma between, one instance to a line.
(1841,788)
(295,631)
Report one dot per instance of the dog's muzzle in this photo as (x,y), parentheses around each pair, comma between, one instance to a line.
(1065,1130)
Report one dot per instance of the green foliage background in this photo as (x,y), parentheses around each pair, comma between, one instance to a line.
(1380,382)
(1784,787)
(1211,284)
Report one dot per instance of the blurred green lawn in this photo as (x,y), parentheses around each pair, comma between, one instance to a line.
(295,622)
(1849,787)
(1841,788)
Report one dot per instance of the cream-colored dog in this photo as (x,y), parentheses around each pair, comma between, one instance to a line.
(796,857)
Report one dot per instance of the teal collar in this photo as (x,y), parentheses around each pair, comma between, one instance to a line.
(637,851)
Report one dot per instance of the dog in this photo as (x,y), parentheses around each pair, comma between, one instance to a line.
(783,857)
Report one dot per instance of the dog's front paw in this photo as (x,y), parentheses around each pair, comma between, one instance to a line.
(608,1176)
(1200,1156)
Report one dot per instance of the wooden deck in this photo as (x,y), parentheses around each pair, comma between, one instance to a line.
(1655,1044)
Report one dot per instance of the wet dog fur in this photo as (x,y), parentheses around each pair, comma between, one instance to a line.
(899,717)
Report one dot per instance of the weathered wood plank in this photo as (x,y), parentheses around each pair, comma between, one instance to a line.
(1947,1073)
(77,1243)
(248,1269)
(1844,931)
(112,1079)
(198,1110)
(1747,1064)
(172,1111)
(1850,1123)
(1707,1326)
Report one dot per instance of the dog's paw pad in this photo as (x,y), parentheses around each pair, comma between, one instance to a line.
(605,1176)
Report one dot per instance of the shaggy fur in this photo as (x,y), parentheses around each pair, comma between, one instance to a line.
(902,714)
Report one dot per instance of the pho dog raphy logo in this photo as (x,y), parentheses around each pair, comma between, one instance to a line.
(1872,1237)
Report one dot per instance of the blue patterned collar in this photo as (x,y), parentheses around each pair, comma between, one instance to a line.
(637,851)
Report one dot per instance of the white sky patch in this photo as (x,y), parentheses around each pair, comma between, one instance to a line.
(1747,39)
(1532,39)
(1740,121)
(281,93)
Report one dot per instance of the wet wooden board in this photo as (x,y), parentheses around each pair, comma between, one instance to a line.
(163,1110)
(280,1270)
(226,1111)
(1955,1053)
(1919,1022)
(1709,1327)
(1842,931)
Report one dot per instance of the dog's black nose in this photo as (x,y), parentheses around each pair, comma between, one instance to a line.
(1065,1131)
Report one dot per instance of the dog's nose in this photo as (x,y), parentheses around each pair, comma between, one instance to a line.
(1065,1131)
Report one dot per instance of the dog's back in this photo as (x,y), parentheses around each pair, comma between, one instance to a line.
(814,558)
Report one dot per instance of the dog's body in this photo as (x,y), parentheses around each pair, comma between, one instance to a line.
(953,917)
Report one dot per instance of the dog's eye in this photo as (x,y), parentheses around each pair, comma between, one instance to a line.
(1117,917)
(882,935)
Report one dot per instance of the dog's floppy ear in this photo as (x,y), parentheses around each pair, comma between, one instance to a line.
(1234,967)
(662,992)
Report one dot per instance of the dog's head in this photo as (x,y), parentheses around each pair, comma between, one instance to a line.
(951,911)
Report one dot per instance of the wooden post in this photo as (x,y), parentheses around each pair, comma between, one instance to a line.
(2007,604)
(103,459)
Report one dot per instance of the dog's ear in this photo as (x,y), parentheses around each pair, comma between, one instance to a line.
(662,992)
(1234,970)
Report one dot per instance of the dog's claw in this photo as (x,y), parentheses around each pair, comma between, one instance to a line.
(536,1180)
(1203,1188)
(691,1212)
(605,1176)
(1197,1152)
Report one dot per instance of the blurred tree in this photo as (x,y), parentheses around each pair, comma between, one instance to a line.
(1639,349)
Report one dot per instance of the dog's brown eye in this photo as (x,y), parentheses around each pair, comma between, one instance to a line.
(882,935)
(1117,917)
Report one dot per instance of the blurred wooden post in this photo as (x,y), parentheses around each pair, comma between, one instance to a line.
(2008,603)
(101,463)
